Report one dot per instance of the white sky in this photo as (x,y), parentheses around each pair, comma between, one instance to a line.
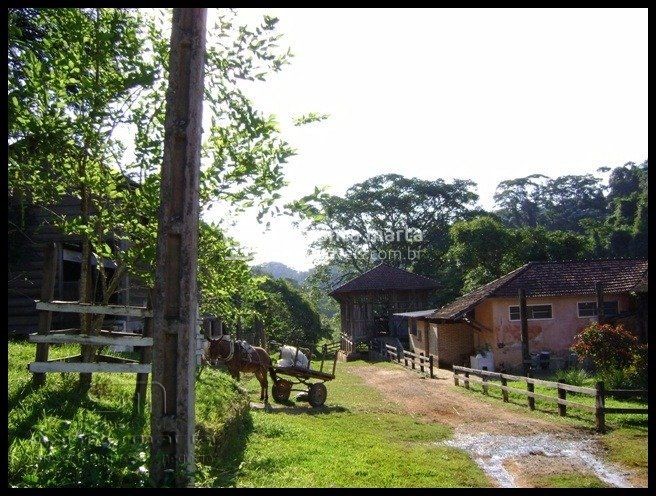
(482,94)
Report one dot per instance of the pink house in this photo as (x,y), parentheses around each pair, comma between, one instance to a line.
(560,298)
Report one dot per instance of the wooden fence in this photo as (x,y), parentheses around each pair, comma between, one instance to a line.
(500,381)
(412,360)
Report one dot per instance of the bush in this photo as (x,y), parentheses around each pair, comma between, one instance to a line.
(609,347)
(575,377)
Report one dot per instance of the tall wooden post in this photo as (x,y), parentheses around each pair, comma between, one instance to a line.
(146,356)
(601,314)
(526,356)
(175,299)
(50,258)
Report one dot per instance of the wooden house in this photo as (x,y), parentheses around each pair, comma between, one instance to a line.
(369,301)
(29,230)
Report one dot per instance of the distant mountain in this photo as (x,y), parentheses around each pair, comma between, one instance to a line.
(277,269)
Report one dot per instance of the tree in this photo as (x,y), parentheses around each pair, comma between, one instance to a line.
(519,200)
(607,346)
(288,316)
(387,218)
(483,249)
(79,76)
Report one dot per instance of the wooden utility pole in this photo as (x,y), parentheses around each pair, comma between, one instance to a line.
(599,288)
(175,299)
(526,356)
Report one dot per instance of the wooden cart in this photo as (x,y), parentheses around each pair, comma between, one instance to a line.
(312,380)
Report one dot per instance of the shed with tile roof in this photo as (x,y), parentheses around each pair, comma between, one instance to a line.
(368,301)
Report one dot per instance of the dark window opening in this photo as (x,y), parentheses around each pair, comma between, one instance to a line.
(532,312)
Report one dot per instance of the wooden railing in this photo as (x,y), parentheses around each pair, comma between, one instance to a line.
(467,375)
(346,344)
(412,360)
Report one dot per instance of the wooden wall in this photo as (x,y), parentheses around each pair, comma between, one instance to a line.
(363,314)
(29,230)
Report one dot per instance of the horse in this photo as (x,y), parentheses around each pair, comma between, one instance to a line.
(224,349)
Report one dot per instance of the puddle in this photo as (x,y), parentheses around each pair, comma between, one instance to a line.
(491,451)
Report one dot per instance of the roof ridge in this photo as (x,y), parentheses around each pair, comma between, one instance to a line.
(643,259)
(517,271)
(383,264)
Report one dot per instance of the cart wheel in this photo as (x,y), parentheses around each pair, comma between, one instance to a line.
(317,394)
(280,390)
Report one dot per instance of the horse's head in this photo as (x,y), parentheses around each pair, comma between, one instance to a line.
(222,349)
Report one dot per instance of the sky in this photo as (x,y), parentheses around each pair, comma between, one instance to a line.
(485,95)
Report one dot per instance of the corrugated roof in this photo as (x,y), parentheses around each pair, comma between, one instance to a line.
(421,313)
(384,277)
(569,277)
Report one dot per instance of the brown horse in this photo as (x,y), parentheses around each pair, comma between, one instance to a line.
(258,362)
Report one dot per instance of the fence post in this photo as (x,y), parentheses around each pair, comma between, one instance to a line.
(530,388)
(405,359)
(600,415)
(421,362)
(562,394)
(413,361)
(455,377)
(430,366)
(484,384)
(504,392)
(50,262)
(467,380)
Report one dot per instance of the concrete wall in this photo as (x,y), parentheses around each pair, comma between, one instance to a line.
(555,335)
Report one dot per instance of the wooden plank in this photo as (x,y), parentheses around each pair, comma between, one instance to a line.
(103,340)
(47,293)
(626,410)
(130,368)
(113,359)
(89,308)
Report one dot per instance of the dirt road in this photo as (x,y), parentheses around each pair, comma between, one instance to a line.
(515,449)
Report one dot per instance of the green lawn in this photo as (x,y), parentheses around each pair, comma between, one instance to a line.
(60,437)
(357,440)
(569,480)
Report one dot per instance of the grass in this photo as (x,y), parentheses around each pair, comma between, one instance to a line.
(358,439)
(569,480)
(60,437)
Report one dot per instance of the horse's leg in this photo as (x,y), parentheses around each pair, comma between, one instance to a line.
(264,385)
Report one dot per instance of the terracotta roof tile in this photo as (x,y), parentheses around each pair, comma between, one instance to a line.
(570,277)
(384,277)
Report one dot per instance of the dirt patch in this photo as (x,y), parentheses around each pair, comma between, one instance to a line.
(437,400)
(512,447)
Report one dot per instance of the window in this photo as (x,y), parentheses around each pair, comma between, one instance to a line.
(532,312)
(589,308)
(413,327)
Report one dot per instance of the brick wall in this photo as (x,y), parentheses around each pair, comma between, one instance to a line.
(455,344)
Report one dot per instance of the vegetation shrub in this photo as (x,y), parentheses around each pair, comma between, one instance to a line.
(620,361)
(575,377)
(607,346)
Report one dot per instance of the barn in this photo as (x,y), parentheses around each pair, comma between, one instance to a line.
(369,301)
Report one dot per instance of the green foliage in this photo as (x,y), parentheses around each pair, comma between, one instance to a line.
(575,377)
(381,219)
(288,316)
(483,249)
(79,76)
(609,347)
(59,437)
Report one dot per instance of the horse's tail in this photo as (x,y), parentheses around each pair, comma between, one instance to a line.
(272,372)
